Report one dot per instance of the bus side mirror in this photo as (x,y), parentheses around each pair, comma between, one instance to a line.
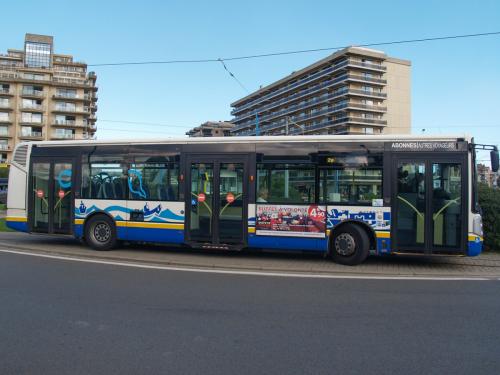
(494,160)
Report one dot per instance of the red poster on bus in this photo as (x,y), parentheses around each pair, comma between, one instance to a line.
(291,220)
(201,197)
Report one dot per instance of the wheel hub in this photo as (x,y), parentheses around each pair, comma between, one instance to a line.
(345,244)
(102,232)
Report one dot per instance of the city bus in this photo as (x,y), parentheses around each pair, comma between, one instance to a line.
(345,196)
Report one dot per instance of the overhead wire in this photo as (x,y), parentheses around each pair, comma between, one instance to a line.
(271,54)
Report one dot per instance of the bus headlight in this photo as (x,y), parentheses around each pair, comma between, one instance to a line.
(477,225)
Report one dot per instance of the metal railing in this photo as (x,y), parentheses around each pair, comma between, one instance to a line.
(31,135)
(60,95)
(32,92)
(292,86)
(63,135)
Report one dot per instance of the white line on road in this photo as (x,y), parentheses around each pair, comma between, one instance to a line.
(249,273)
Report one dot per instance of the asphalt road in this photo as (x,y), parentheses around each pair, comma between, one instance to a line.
(65,317)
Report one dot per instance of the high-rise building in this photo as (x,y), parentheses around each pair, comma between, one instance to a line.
(44,96)
(353,91)
(211,129)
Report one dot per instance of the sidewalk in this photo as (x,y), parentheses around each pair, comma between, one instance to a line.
(486,265)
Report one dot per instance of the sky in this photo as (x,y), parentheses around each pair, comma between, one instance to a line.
(455,83)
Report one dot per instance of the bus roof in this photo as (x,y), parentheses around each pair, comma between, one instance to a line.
(262,139)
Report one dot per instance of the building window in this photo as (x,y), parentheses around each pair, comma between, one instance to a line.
(4,102)
(4,116)
(66,93)
(31,117)
(285,183)
(154,179)
(37,55)
(32,103)
(4,131)
(32,90)
(65,106)
(64,133)
(4,144)
(31,131)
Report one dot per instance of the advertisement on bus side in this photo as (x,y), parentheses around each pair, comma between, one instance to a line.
(291,220)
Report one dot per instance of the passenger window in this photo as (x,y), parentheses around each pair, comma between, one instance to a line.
(154,180)
(352,179)
(103,178)
(285,183)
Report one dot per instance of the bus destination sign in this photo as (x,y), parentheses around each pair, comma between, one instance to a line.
(425,146)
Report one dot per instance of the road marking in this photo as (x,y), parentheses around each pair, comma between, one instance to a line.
(248,273)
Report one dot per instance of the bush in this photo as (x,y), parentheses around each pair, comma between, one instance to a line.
(489,200)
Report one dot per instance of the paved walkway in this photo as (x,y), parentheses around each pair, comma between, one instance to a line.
(486,265)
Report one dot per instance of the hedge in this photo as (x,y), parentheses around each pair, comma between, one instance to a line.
(489,200)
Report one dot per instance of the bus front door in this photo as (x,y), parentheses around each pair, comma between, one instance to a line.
(429,210)
(216,201)
(51,198)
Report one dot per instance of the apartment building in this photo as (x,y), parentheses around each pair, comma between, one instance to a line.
(212,129)
(44,96)
(353,91)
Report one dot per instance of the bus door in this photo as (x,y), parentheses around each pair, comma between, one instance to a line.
(216,201)
(51,195)
(429,204)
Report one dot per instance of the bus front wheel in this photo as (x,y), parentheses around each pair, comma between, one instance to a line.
(100,233)
(350,245)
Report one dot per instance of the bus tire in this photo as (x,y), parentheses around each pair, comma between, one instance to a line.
(350,245)
(100,233)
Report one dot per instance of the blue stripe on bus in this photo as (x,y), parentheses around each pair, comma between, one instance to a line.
(21,226)
(173,236)
(288,243)
(474,248)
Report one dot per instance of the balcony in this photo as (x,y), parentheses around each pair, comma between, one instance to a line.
(309,103)
(362,120)
(365,65)
(299,83)
(77,110)
(5,120)
(7,106)
(5,134)
(373,94)
(315,89)
(31,135)
(69,123)
(32,107)
(4,147)
(8,92)
(32,93)
(32,123)
(306,117)
(56,135)
(362,78)
(367,107)
(67,96)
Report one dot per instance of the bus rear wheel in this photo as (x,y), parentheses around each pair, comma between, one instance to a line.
(100,233)
(350,245)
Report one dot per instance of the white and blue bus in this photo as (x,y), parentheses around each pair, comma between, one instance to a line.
(344,196)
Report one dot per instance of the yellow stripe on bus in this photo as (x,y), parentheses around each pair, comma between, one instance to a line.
(16,218)
(383,234)
(144,224)
(251,229)
(472,237)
